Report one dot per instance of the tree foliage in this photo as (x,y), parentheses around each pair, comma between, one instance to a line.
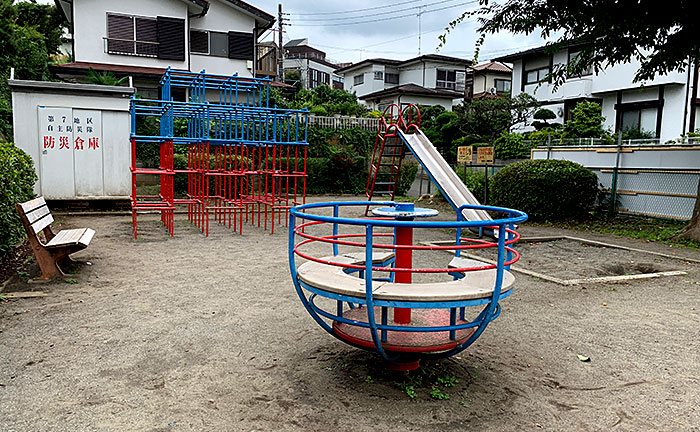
(488,118)
(660,35)
(29,33)
(586,122)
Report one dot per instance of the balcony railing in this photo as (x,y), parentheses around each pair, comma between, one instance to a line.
(131,47)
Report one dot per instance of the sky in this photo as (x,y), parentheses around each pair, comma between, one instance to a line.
(350,31)
(343,29)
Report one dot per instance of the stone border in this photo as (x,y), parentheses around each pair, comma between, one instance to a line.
(570,282)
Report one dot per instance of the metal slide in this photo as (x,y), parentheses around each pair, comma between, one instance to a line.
(442,174)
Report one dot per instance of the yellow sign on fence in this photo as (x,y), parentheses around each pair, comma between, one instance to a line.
(484,155)
(464,154)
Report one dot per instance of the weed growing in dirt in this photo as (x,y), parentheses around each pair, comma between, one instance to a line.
(447,381)
(369,379)
(408,389)
(438,394)
(23,275)
(71,281)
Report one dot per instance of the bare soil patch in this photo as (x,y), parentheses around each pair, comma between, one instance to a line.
(569,259)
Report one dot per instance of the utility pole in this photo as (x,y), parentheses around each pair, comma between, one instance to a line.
(280,55)
(420,27)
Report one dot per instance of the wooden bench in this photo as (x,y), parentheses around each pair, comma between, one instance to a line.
(474,285)
(36,217)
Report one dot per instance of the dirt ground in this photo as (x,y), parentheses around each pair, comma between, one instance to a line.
(197,333)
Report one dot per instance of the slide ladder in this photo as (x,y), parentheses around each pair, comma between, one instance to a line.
(389,151)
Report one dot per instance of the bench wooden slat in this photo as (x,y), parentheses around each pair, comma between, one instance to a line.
(32,204)
(66,237)
(37,213)
(87,237)
(42,223)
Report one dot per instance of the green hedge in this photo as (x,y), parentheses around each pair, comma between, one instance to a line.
(17,178)
(545,189)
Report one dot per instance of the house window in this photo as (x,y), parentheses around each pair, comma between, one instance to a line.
(314,78)
(573,59)
(639,119)
(446,79)
(536,75)
(391,78)
(199,41)
(502,85)
(132,35)
(218,44)
(378,75)
(358,79)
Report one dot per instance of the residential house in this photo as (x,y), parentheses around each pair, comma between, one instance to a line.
(311,63)
(429,79)
(665,106)
(141,38)
(490,79)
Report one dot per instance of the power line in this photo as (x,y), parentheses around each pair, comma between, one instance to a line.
(385,19)
(374,14)
(354,10)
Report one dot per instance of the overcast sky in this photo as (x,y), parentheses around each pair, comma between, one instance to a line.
(346,36)
(330,26)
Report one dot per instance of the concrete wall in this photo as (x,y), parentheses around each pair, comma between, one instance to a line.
(70,165)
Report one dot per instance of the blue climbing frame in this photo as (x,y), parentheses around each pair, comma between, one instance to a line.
(244,156)
(306,219)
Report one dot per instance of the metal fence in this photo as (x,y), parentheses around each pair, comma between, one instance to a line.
(371,124)
(578,142)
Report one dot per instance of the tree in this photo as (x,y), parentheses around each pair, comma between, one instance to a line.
(105,78)
(488,118)
(662,36)
(29,33)
(586,121)
(541,117)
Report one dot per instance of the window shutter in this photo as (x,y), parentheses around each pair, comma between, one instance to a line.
(120,27)
(199,42)
(240,45)
(171,37)
(146,31)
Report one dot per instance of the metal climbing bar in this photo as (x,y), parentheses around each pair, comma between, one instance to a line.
(234,155)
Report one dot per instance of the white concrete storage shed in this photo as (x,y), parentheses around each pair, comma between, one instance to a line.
(77,135)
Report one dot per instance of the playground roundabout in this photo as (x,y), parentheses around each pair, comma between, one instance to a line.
(377,304)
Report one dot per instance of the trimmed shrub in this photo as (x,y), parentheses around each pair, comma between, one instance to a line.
(545,189)
(17,178)
(510,146)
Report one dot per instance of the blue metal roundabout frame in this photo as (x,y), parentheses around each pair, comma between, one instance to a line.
(462,318)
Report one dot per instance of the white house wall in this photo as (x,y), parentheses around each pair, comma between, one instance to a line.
(90,29)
